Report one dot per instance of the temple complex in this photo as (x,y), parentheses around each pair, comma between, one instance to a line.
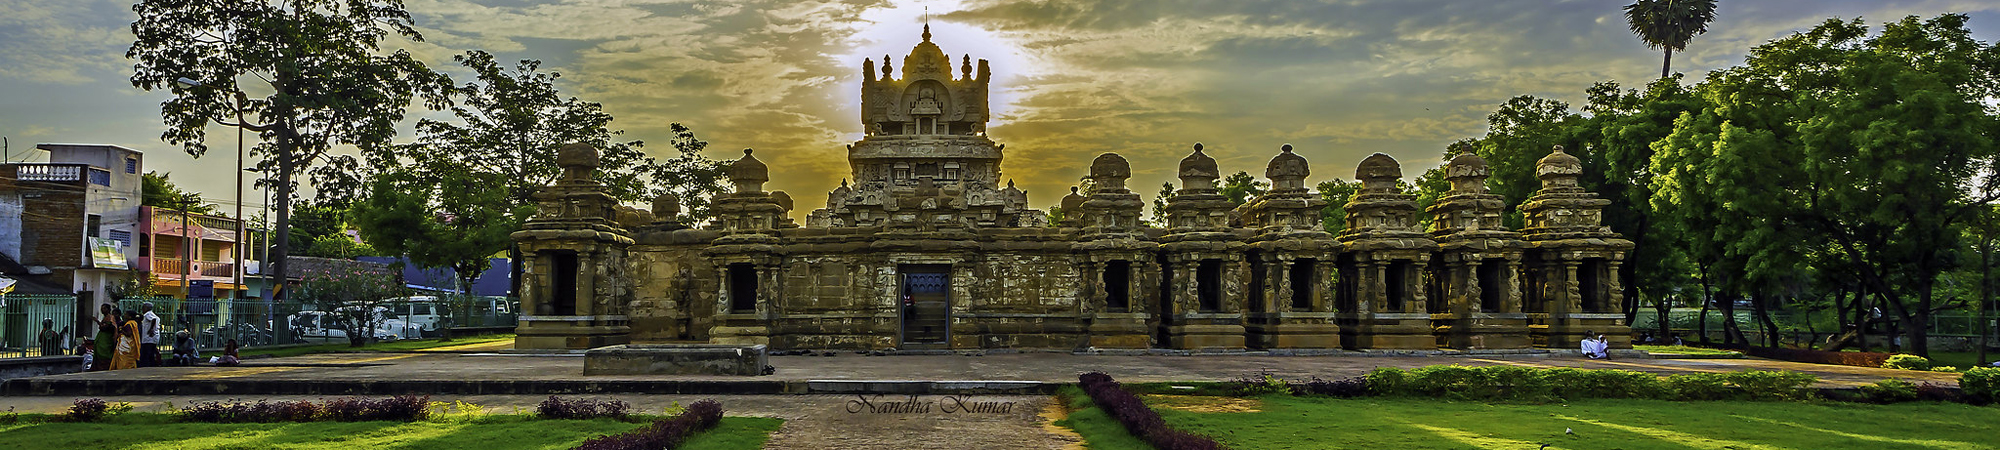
(925,248)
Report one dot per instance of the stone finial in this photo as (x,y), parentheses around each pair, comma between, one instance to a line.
(782,199)
(1379,172)
(578,161)
(886,69)
(1559,169)
(1287,170)
(927,32)
(748,173)
(667,206)
(1467,173)
(965,67)
(1198,171)
(1109,171)
(1072,203)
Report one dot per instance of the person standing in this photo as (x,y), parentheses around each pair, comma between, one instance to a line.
(106,340)
(149,336)
(126,355)
(51,341)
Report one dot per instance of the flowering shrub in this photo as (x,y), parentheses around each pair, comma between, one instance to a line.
(401,408)
(582,408)
(86,410)
(661,434)
(1519,383)
(1345,387)
(262,411)
(1138,419)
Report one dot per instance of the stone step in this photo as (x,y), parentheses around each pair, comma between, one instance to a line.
(62,386)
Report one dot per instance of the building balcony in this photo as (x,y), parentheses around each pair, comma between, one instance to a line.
(166,268)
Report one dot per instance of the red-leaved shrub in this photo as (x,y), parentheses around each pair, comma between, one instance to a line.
(1138,419)
(664,433)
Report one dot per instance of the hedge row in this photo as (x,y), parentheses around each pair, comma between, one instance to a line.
(664,433)
(1531,384)
(1138,419)
(401,408)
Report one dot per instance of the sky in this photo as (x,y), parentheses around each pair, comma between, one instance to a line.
(1337,79)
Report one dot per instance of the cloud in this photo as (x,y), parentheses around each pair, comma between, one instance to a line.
(66,42)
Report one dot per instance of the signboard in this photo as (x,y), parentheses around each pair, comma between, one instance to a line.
(107,254)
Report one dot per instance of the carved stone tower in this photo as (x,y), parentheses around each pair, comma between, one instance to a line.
(1476,272)
(1202,303)
(1573,278)
(1290,270)
(1381,296)
(1118,257)
(747,254)
(573,289)
(926,136)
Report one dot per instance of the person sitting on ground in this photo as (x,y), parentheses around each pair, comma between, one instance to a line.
(185,351)
(228,357)
(88,354)
(1591,346)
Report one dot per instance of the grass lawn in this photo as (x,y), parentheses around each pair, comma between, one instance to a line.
(398,346)
(1683,350)
(1283,422)
(1961,360)
(491,432)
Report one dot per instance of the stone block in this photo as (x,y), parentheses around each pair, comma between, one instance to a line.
(676,359)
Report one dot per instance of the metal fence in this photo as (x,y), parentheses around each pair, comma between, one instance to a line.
(21,325)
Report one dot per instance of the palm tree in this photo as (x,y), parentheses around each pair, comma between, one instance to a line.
(1669,24)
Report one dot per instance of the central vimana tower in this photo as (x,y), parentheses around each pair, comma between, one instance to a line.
(927,247)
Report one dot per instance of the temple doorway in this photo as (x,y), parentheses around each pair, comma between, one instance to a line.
(926,305)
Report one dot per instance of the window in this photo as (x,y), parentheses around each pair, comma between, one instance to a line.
(92,224)
(123,237)
(950,172)
(100,177)
(742,287)
(131,165)
(901,173)
(1118,286)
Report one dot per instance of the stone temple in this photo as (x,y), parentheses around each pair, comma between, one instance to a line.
(925,248)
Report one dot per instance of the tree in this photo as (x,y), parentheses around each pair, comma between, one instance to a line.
(507,127)
(1159,218)
(443,220)
(1669,25)
(352,293)
(320,229)
(158,192)
(1336,192)
(1240,187)
(1870,146)
(330,83)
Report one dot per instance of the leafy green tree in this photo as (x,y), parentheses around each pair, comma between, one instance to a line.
(1669,25)
(1240,187)
(329,81)
(439,219)
(159,192)
(1159,217)
(1336,192)
(351,293)
(1811,138)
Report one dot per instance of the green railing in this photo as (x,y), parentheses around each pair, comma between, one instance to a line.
(21,325)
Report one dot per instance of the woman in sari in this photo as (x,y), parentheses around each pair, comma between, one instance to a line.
(106,339)
(127,356)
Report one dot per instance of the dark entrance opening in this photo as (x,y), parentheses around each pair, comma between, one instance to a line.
(562,298)
(1118,286)
(1259,282)
(1490,291)
(1398,281)
(1590,280)
(742,287)
(1164,313)
(1304,277)
(1208,285)
(1346,297)
(926,303)
(1532,300)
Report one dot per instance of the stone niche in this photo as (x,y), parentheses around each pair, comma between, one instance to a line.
(676,359)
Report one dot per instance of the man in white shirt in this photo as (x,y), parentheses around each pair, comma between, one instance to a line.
(149,336)
(1594,345)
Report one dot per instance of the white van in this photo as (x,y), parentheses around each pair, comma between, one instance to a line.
(423,313)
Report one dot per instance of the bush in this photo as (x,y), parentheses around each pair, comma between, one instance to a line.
(1704,386)
(1513,383)
(86,410)
(1345,388)
(1981,385)
(1263,383)
(401,408)
(582,408)
(661,434)
(262,412)
(1890,391)
(1772,385)
(1138,419)
(1907,362)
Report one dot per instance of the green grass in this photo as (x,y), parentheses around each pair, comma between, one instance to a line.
(1683,350)
(1961,360)
(735,433)
(487,432)
(398,346)
(1286,422)
(1098,429)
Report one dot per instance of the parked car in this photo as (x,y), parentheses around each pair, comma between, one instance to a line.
(322,326)
(423,313)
